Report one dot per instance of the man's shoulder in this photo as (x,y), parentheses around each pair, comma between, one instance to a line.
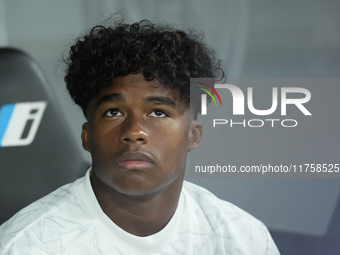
(210,204)
(233,226)
(37,214)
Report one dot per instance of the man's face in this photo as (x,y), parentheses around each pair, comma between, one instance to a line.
(138,133)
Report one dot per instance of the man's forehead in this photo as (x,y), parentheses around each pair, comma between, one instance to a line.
(136,86)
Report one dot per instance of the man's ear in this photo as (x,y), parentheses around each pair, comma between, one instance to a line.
(85,137)
(195,135)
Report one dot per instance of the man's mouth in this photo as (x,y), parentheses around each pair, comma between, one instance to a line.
(134,164)
(134,160)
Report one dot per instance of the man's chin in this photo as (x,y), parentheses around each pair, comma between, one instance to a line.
(138,190)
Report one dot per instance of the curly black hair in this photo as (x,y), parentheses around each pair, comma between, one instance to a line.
(161,52)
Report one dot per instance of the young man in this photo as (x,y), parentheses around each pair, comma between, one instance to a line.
(133,84)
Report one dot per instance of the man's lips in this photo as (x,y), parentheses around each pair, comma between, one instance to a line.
(134,164)
(134,160)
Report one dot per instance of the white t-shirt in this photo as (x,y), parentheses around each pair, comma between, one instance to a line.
(70,221)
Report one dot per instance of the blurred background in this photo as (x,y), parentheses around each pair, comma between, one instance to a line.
(262,38)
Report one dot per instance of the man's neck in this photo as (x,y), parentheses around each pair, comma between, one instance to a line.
(139,215)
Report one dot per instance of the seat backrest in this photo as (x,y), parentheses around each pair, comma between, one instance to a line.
(37,150)
(298,243)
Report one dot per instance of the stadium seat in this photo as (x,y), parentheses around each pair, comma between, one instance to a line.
(37,150)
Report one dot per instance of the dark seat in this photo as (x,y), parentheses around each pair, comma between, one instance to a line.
(37,150)
(297,243)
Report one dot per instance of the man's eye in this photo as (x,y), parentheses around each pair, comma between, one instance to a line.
(113,113)
(158,114)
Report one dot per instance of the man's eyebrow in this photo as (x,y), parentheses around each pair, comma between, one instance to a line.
(112,98)
(160,100)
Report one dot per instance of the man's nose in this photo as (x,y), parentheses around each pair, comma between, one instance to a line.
(133,130)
